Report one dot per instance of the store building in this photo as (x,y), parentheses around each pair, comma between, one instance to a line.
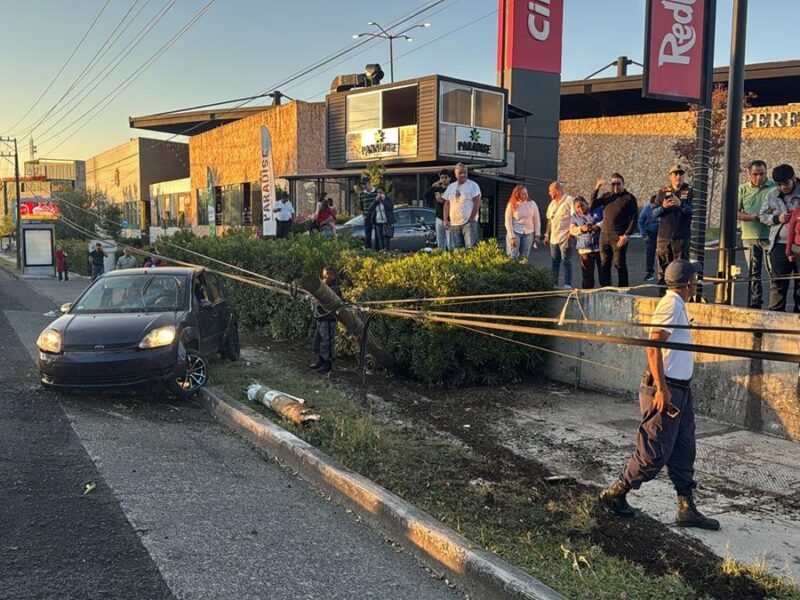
(62,174)
(123,174)
(228,142)
(170,207)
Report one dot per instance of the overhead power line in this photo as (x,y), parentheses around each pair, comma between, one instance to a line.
(64,66)
(131,78)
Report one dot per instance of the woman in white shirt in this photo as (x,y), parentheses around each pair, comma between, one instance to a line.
(523,224)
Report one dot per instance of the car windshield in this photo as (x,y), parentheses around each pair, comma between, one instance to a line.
(356,221)
(134,293)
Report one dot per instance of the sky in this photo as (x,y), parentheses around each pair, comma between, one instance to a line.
(239,48)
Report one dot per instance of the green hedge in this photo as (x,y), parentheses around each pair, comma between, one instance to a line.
(432,353)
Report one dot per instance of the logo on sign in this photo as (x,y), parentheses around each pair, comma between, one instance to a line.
(468,141)
(681,37)
(539,19)
(384,143)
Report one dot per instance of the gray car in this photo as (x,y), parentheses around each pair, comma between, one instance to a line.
(409,234)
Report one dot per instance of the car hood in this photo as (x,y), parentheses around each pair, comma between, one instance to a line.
(110,330)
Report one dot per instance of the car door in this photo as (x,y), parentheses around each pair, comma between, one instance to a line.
(403,231)
(206,318)
(220,307)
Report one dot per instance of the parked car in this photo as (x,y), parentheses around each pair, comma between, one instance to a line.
(139,327)
(409,234)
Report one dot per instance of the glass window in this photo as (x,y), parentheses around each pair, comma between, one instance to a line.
(404,189)
(399,107)
(213,289)
(456,103)
(488,110)
(202,206)
(402,218)
(364,111)
(426,215)
(232,205)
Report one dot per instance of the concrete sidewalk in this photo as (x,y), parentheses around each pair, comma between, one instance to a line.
(60,292)
(749,481)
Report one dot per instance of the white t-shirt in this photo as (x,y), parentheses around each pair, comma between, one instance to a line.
(559,214)
(671,310)
(285,211)
(462,200)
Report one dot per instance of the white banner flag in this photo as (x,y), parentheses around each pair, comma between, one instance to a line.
(267,184)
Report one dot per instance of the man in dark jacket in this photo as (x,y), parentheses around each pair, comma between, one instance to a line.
(619,222)
(673,209)
(434,197)
(325,330)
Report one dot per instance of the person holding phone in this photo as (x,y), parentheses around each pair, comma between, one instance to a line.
(666,435)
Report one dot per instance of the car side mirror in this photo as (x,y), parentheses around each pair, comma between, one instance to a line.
(205,304)
(65,307)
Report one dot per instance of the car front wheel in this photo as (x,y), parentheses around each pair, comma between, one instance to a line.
(196,375)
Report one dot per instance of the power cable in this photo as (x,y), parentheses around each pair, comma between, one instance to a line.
(63,66)
(77,99)
(132,77)
(81,75)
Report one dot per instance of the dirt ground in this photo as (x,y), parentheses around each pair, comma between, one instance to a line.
(539,428)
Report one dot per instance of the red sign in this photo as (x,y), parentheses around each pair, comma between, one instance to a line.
(36,210)
(676,36)
(529,35)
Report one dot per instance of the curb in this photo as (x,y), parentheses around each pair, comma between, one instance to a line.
(480,573)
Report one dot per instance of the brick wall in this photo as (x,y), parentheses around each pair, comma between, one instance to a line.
(640,147)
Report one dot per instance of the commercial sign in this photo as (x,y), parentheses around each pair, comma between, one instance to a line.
(473,141)
(389,142)
(211,203)
(677,49)
(38,210)
(774,119)
(267,185)
(529,35)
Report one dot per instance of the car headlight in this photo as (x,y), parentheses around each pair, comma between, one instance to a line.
(49,341)
(163,336)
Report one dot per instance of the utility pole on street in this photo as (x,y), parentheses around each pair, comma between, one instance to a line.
(6,144)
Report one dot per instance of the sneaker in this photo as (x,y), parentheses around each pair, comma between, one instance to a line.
(567,287)
(649,277)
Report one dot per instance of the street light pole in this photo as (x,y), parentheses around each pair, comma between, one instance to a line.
(19,199)
(391,37)
(733,150)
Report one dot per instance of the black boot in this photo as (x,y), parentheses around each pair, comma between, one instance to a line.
(325,368)
(317,364)
(614,499)
(689,516)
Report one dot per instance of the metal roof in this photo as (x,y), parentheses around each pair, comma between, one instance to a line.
(773,83)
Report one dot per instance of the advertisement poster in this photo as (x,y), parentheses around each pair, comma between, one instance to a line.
(211,202)
(267,184)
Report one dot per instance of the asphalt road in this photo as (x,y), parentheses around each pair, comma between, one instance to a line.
(180,508)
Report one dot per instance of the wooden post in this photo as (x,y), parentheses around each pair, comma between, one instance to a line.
(346,316)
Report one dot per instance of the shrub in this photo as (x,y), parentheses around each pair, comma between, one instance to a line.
(434,353)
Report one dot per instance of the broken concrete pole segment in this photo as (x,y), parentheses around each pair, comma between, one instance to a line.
(347,316)
(289,407)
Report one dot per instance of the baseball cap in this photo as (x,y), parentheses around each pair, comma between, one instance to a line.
(678,168)
(679,272)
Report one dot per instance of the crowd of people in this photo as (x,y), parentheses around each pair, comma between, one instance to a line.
(97,257)
(600,230)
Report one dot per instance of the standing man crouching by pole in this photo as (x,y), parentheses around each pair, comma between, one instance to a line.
(667,431)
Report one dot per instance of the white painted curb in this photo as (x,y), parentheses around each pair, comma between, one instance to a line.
(482,574)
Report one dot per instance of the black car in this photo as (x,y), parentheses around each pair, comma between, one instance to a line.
(409,234)
(137,327)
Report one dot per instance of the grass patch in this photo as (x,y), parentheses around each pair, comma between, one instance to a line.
(502,513)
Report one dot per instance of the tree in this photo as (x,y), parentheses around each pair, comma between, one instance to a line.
(686,149)
(376,172)
(83,213)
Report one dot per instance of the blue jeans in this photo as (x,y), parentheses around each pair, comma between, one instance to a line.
(755,261)
(97,270)
(562,253)
(441,234)
(523,247)
(381,241)
(463,236)
(650,252)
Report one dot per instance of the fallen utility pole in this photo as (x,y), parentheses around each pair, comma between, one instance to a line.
(289,407)
(331,303)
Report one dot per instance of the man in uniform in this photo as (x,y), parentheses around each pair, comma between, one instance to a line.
(673,209)
(666,434)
